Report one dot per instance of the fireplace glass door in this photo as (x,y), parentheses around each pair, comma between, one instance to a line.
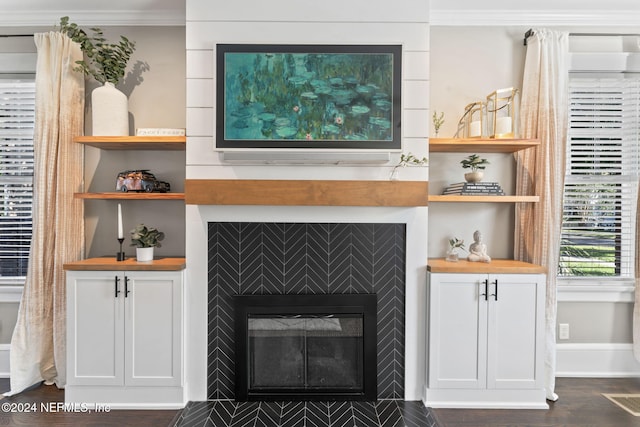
(305,347)
(305,352)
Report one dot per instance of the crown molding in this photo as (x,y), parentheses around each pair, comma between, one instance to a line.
(533,18)
(50,18)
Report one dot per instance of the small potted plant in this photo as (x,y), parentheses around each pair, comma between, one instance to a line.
(477,165)
(145,239)
(406,160)
(454,245)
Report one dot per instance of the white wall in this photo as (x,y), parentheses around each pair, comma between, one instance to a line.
(282,22)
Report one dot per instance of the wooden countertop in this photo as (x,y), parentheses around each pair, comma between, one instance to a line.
(439,265)
(130,264)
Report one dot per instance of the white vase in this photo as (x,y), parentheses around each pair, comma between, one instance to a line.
(144,254)
(109,111)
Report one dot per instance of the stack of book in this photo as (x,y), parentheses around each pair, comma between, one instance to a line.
(474,189)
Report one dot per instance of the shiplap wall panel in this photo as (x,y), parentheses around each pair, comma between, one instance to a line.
(415,65)
(308,11)
(415,124)
(201,151)
(318,172)
(355,22)
(200,93)
(415,94)
(200,122)
(200,64)
(205,35)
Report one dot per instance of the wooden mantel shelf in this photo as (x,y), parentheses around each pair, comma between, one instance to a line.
(129,264)
(496,266)
(305,192)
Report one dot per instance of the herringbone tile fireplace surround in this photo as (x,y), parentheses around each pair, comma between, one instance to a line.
(306,258)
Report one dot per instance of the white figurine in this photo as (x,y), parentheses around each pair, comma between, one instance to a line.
(478,250)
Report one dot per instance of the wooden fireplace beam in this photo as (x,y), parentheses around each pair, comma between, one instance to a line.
(305,192)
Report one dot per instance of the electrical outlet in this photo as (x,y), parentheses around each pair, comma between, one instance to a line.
(563,331)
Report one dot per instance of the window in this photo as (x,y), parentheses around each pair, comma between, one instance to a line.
(17,105)
(601,179)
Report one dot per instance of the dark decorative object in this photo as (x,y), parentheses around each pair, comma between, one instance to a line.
(140,180)
(308,96)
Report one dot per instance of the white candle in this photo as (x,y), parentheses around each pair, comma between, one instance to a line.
(503,125)
(120,233)
(475,129)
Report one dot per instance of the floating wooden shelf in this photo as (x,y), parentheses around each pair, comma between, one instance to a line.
(129,264)
(482,199)
(171,143)
(130,196)
(306,192)
(506,266)
(480,145)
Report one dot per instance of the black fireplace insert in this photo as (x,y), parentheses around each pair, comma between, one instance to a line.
(305,347)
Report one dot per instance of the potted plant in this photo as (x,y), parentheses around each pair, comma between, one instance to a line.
(477,165)
(406,160)
(454,245)
(145,239)
(106,63)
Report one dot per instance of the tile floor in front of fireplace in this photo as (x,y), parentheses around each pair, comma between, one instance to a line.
(383,413)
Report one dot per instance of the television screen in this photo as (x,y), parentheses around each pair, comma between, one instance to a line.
(308,96)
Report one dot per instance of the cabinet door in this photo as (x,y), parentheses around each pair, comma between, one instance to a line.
(153,328)
(457,331)
(516,331)
(95,338)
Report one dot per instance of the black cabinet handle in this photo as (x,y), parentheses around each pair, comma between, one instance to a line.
(486,290)
(116,286)
(126,286)
(495,295)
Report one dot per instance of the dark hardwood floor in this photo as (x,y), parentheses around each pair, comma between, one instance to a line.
(581,404)
(36,416)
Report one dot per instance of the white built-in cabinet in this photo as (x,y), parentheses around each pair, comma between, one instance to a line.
(124,333)
(485,334)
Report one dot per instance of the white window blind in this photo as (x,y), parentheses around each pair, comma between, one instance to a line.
(601,180)
(17,105)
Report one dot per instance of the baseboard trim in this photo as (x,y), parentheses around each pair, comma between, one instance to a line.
(596,361)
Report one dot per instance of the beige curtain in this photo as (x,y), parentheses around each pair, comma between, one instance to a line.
(38,343)
(544,113)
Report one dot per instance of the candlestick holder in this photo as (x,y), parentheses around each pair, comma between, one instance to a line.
(120,255)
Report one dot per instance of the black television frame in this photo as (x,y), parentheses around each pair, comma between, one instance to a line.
(394,143)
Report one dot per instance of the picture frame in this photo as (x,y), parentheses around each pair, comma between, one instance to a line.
(308,96)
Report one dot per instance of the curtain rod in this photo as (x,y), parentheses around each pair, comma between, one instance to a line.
(530,32)
(15,35)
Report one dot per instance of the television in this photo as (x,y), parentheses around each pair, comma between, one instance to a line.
(308,97)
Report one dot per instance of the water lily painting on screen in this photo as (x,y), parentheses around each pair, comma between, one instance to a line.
(302,94)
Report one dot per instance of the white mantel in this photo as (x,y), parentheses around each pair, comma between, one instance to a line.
(196,308)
